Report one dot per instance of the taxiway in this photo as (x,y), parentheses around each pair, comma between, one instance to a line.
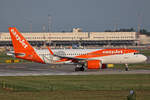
(28,69)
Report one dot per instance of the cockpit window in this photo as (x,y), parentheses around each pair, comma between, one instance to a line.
(136,53)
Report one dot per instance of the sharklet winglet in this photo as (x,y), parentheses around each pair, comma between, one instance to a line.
(50,51)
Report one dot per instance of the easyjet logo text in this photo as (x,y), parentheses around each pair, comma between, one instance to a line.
(22,41)
(112,52)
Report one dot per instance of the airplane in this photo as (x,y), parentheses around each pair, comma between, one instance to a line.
(82,58)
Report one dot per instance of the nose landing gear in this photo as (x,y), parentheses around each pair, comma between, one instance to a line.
(127,67)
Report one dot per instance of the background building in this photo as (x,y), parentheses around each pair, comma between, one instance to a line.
(76,37)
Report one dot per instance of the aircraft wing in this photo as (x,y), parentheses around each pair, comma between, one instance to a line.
(71,58)
(74,59)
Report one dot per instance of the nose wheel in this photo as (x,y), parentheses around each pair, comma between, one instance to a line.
(127,67)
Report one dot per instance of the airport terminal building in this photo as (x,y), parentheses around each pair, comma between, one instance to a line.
(76,37)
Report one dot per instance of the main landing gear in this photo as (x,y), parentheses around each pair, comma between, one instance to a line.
(78,68)
(127,67)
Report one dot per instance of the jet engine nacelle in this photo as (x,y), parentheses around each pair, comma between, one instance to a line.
(95,64)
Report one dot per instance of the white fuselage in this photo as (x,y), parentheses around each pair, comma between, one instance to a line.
(127,58)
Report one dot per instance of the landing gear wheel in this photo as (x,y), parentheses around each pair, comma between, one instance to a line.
(126,69)
(82,69)
(79,69)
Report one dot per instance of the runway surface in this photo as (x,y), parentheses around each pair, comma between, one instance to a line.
(44,69)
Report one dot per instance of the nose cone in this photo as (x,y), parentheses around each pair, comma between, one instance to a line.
(143,58)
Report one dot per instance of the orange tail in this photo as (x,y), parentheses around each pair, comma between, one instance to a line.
(22,48)
(20,44)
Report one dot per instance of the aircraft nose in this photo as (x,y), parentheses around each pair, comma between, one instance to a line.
(144,58)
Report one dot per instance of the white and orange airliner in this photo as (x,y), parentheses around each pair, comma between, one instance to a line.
(83,58)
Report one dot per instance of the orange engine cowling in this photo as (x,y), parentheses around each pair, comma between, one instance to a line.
(94,64)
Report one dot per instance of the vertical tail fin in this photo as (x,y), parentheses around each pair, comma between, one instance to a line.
(19,42)
(22,48)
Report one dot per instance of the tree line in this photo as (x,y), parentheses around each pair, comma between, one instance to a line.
(142,31)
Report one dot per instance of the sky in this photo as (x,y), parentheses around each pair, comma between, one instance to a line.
(90,15)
